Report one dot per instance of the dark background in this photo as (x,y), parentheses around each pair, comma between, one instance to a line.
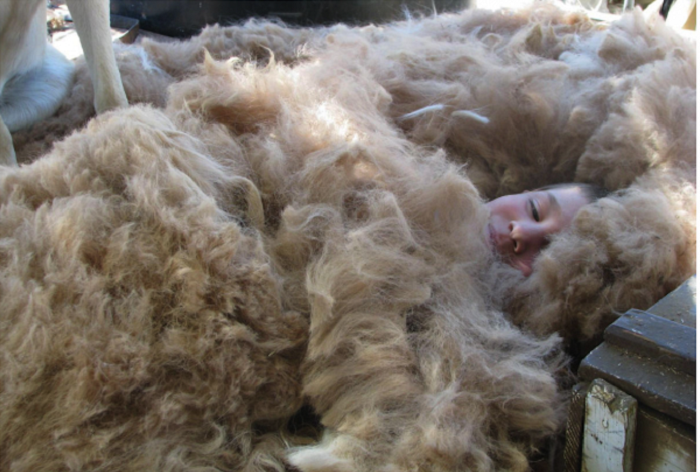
(183,18)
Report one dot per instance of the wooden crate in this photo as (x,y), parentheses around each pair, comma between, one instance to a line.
(635,408)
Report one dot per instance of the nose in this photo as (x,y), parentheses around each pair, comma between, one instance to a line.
(525,237)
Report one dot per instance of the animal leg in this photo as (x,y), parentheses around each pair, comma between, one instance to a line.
(91,20)
(7,150)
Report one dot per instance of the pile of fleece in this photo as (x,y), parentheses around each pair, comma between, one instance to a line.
(292,220)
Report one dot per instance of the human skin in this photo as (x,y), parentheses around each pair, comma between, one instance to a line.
(521,225)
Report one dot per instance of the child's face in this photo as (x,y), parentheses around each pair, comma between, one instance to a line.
(520,225)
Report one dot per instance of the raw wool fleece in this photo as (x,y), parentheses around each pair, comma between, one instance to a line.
(149,324)
(177,282)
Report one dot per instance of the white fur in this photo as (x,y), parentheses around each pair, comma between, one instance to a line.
(422,111)
(34,79)
(318,459)
(322,457)
(471,115)
(439,107)
(36,94)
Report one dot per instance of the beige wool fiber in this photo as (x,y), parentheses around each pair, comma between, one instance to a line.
(290,220)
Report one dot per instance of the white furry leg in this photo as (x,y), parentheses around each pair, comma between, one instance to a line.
(321,457)
(36,95)
(7,150)
(92,23)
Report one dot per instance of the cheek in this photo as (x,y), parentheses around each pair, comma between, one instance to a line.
(503,205)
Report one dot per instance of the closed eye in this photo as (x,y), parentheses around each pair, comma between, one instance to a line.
(535,211)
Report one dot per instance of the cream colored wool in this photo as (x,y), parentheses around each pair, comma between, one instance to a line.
(142,325)
(303,224)
(144,82)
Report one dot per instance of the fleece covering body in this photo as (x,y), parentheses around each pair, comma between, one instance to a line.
(289,217)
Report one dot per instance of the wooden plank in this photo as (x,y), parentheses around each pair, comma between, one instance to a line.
(574,427)
(679,305)
(665,389)
(670,343)
(609,427)
(663,444)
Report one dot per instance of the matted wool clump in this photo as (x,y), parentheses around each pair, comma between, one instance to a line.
(296,224)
